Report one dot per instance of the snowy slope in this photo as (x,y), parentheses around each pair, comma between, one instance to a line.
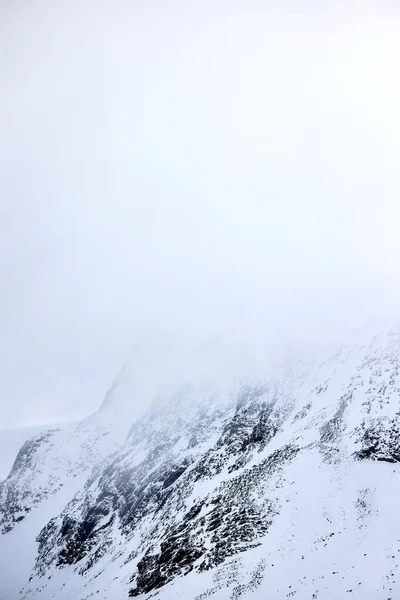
(49,469)
(11,441)
(266,486)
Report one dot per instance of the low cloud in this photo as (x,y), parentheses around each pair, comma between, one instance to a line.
(175,170)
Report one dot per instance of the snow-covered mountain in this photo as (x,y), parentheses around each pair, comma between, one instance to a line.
(270,483)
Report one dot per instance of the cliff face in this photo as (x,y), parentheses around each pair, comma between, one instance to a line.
(264,487)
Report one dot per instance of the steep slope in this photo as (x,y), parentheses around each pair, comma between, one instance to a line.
(53,457)
(44,464)
(269,487)
(48,471)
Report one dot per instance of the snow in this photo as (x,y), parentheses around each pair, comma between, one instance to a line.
(333,533)
(11,441)
(19,547)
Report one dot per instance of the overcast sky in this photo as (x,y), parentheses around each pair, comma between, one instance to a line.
(179,166)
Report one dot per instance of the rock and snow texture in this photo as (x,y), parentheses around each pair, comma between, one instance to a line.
(46,463)
(284,486)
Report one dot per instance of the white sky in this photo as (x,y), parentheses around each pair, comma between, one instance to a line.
(189,166)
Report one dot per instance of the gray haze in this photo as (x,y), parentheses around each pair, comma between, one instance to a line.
(189,168)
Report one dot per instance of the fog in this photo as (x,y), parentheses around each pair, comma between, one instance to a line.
(184,170)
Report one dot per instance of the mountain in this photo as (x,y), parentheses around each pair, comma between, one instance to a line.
(278,481)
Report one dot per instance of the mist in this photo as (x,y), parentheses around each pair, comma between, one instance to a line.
(189,171)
